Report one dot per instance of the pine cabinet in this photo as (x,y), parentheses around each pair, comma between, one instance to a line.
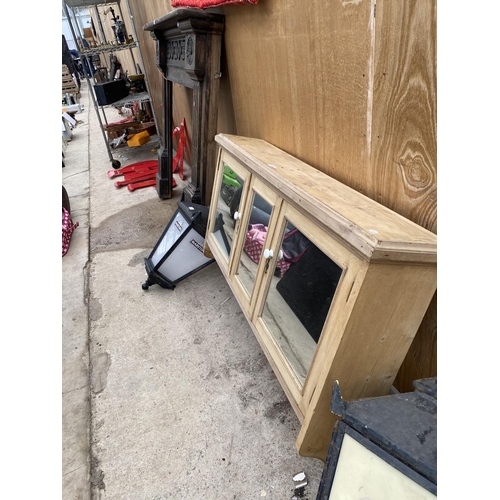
(333,284)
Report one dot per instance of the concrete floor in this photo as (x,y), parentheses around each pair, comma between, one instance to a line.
(166,393)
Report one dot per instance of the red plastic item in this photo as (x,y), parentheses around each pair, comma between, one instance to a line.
(178,161)
(147,172)
(119,122)
(138,175)
(205,4)
(134,167)
(144,177)
(152,182)
(137,185)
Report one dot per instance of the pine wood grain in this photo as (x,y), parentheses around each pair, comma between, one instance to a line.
(351,94)
(299,79)
(404,137)
(403,165)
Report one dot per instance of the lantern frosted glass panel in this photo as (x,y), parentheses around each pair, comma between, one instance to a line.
(360,469)
(187,256)
(173,233)
(301,292)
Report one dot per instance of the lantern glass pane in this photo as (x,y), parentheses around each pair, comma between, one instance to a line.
(175,230)
(359,469)
(186,258)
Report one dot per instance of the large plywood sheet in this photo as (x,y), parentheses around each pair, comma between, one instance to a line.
(299,75)
(404,135)
(403,165)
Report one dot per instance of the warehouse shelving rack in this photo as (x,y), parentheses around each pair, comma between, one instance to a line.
(108,48)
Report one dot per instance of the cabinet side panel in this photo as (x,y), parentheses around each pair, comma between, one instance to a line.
(421,360)
(384,320)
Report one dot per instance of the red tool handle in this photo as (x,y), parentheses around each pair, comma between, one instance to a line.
(145,177)
(138,185)
(151,172)
(134,167)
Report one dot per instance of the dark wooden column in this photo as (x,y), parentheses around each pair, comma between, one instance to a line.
(188,47)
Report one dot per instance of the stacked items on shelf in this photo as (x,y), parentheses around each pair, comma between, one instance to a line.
(68,84)
(108,47)
(70,105)
(134,130)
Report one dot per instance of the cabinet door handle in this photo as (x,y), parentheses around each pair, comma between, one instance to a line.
(236,216)
(268,253)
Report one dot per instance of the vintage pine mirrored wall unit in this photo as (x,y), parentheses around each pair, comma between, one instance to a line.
(333,284)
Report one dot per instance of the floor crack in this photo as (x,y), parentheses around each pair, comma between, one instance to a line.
(74,470)
(75,389)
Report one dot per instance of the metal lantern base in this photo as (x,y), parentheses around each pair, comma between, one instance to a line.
(155,278)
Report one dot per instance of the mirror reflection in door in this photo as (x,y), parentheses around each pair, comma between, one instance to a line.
(228,200)
(301,292)
(255,241)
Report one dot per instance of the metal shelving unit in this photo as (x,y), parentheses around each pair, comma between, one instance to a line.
(103,49)
(108,48)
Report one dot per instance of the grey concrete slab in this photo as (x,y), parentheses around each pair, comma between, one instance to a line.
(183,403)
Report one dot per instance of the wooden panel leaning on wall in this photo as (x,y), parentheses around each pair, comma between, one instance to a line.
(404,142)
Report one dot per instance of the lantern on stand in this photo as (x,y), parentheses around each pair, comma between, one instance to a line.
(179,252)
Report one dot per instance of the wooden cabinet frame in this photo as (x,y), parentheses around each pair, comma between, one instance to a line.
(388,279)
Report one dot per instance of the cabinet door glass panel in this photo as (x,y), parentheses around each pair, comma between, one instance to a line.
(230,191)
(255,241)
(302,288)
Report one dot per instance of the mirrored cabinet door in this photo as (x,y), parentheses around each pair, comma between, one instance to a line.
(300,288)
(228,196)
(259,215)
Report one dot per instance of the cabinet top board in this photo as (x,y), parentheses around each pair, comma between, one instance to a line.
(372,230)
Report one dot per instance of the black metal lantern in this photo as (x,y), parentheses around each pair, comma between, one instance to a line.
(179,252)
(383,447)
